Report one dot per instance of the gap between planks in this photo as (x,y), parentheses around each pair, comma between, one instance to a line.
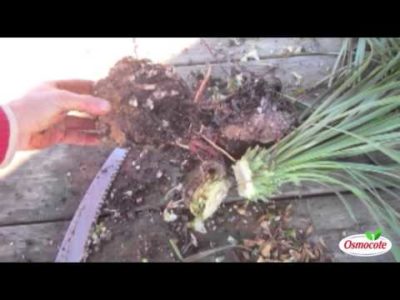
(33,222)
(263,58)
(317,192)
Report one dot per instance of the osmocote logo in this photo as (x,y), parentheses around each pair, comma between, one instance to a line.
(367,244)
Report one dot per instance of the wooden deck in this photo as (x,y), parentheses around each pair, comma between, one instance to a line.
(39,192)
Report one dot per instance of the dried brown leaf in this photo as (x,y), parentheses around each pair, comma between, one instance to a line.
(193,240)
(265,226)
(296,255)
(246,255)
(284,257)
(309,230)
(260,259)
(241,211)
(309,252)
(266,249)
(285,244)
(289,210)
(322,242)
(249,243)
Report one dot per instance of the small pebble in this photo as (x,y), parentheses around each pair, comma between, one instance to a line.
(174,93)
(231,240)
(137,167)
(139,200)
(129,193)
(298,50)
(159,174)
(150,104)
(169,72)
(143,153)
(152,73)
(219,220)
(165,123)
(133,103)
(219,259)
(158,95)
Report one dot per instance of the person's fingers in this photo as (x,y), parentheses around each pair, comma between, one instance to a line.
(83,103)
(77,86)
(45,138)
(61,135)
(72,122)
(80,138)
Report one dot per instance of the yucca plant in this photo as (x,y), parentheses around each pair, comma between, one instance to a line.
(359,115)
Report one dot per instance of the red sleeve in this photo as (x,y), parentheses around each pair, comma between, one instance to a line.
(4,135)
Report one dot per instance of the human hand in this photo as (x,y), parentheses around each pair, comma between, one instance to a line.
(42,115)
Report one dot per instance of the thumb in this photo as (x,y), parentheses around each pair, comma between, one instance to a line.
(83,103)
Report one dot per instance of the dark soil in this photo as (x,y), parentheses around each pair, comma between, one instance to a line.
(153,106)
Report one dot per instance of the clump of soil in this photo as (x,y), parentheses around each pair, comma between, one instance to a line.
(254,113)
(150,104)
(153,106)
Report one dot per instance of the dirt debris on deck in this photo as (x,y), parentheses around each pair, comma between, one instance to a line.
(136,227)
(168,126)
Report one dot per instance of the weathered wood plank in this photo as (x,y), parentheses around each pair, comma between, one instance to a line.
(217,50)
(31,243)
(49,185)
(332,222)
